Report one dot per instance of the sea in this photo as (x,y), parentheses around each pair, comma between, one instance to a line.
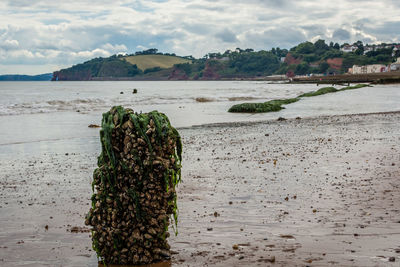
(45,117)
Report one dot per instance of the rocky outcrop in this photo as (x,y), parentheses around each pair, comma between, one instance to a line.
(178,74)
(289,59)
(335,63)
(71,76)
(210,72)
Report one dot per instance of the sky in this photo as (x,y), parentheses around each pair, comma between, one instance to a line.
(41,36)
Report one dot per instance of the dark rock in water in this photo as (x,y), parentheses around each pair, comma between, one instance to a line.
(121,93)
(281,119)
(134,187)
(134,91)
(298,118)
(392,259)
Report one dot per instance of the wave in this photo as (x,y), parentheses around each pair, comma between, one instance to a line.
(88,105)
(225,99)
(51,106)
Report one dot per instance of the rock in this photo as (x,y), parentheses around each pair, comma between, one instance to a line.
(392,259)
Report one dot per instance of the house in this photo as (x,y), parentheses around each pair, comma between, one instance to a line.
(395,49)
(349,48)
(395,66)
(374,68)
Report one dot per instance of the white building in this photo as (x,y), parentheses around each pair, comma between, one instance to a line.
(349,48)
(396,65)
(395,49)
(375,68)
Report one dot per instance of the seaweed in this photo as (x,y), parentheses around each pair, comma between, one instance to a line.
(270,106)
(139,166)
(276,105)
(322,91)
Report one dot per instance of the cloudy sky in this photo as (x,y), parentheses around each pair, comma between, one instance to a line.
(39,36)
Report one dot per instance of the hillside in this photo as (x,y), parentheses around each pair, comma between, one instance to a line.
(304,59)
(111,67)
(144,62)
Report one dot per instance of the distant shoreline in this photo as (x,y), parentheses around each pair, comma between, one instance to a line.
(379,78)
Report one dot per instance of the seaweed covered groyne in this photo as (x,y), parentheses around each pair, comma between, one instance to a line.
(276,105)
(134,196)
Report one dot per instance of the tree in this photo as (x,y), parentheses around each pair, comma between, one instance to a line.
(302,68)
(323,67)
(321,45)
(305,48)
(359,51)
(336,46)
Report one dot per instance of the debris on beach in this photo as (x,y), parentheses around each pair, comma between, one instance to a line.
(134,187)
(77,229)
(204,99)
(93,126)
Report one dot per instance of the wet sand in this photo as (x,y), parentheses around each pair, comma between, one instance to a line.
(315,191)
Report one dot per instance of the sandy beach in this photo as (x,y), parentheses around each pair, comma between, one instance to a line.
(303,192)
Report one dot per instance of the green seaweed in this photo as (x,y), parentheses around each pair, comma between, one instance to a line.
(110,163)
(357,86)
(276,105)
(270,106)
(322,91)
(133,194)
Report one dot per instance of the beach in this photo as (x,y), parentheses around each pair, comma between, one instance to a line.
(314,191)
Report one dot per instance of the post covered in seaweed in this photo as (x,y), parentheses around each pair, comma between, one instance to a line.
(134,195)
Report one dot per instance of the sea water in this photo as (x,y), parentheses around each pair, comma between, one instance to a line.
(40,117)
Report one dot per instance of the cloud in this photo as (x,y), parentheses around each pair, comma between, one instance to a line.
(61,33)
(9,45)
(226,36)
(341,34)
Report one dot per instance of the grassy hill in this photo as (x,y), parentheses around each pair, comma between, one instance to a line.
(144,62)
